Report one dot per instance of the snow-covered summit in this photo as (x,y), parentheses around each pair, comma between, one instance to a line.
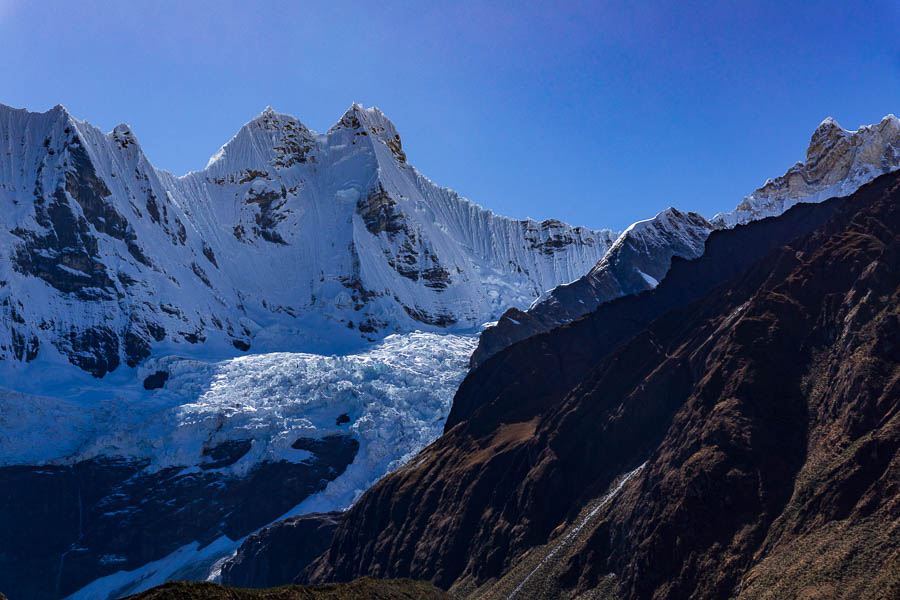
(259,141)
(837,163)
(288,240)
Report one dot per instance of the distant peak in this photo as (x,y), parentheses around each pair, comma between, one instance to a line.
(828,123)
(371,121)
(265,133)
(124,135)
(269,116)
(357,116)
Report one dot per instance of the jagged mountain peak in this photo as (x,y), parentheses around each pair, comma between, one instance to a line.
(54,115)
(263,141)
(327,241)
(357,116)
(837,163)
(371,121)
(269,118)
(124,136)
(265,137)
(828,123)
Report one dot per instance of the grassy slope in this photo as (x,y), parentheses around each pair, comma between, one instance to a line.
(365,588)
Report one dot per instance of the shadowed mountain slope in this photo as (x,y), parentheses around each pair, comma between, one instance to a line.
(759,404)
(837,163)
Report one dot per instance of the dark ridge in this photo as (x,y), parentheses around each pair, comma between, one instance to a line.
(765,407)
(570,350)
(276,554)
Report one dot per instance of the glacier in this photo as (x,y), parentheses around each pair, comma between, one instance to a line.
(162,333)
(392,398)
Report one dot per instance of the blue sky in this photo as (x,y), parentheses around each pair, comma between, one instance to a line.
(597,113)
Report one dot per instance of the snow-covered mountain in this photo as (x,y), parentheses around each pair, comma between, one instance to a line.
(287,239)
(224,292)
(837,163)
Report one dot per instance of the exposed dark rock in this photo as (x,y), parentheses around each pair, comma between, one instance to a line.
(66,257)
(760,385)
(380,213)
(95,350)
(342,418)
(90,192)
(137,348)
(240,345)
(360,295)
(156,331)
(277,554)
(439,320)
(331,447)
(192,337)
(396,148)
(156,380)
(270,213)
(199,272)
(436,278)
(24,348)
(152,207)
(63,525)
(210,255)
(225,454)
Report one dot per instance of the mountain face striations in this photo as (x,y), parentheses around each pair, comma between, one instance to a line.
(324,240)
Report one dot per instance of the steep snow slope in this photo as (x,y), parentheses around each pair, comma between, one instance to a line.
(837,163)
(287,240)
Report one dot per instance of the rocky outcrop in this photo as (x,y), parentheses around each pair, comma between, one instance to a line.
(276,554)
(754,408)
(837,163)
(64,526)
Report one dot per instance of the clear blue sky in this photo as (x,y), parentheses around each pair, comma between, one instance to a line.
(598,113)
